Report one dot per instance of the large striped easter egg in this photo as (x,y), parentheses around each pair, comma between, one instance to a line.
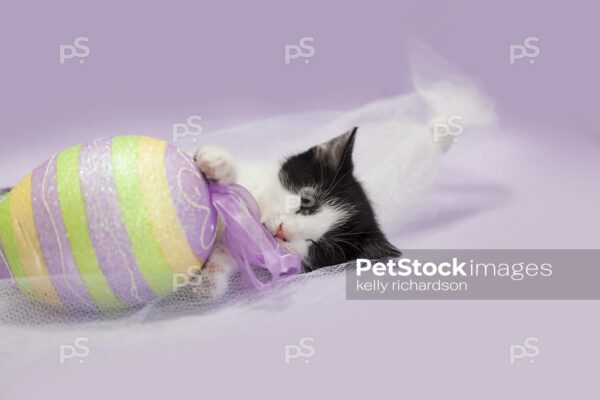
(106,225)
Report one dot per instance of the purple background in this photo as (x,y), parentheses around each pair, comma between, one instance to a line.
(151,66)
(155,65)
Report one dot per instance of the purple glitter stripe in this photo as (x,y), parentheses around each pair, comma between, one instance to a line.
(4,271)
(106,227)
(56,249)
(199,225)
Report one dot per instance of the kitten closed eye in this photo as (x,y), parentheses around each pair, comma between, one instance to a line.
(308,201)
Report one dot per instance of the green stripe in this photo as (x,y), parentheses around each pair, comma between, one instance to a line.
(148,254)
(74,214)
(7,237)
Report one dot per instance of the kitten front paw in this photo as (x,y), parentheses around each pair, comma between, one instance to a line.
(213,279)
(217,164)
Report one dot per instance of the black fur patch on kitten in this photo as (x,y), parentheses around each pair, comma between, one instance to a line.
(328,168)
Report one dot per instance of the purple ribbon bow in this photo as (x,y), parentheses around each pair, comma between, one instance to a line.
(250,244)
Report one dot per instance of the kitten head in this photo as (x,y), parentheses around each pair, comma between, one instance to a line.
(321,211)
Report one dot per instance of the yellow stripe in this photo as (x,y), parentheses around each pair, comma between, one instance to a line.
(28,244)
(164,223)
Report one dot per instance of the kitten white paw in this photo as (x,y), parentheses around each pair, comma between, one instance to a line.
(214,276)
(217,164)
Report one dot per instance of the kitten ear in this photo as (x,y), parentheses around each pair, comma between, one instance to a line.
(375,249)
(337,151)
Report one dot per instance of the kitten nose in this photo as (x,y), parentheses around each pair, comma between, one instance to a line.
(280,234)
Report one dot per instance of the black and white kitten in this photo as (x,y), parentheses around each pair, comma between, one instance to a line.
(311,203)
